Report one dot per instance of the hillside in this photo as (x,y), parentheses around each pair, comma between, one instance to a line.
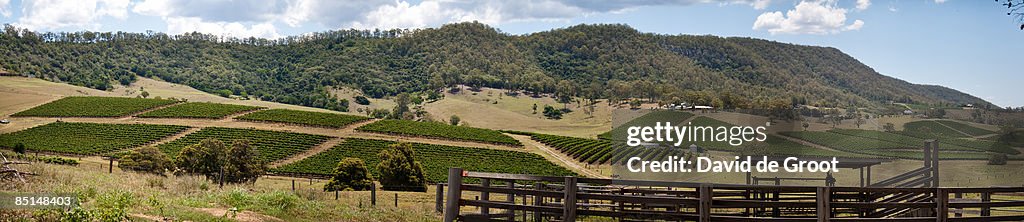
(589,61)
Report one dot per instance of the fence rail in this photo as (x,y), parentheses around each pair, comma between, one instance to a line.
(516,197)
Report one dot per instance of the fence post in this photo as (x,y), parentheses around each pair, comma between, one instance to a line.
(985,198)
(935,163)
(941,205)
(439,197)
(569,202)
(824,204)
(512,200)
(538,201)
(110,167)
(704,211)
(485,195)
(928,161)
(373,194)
(451,211)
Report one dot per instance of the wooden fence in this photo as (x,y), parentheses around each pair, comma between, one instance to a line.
(516,197)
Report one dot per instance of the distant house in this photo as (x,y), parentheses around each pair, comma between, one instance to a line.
(908,112)
(968,106)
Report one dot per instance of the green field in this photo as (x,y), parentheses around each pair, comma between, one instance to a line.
(82,106)
(272,145)
(198,110)
(303,118)
(439,130)
(436,160)
(87,138)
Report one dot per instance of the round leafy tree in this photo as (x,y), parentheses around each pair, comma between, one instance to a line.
(147,159)
(211,157)
(399,170)
(350,174)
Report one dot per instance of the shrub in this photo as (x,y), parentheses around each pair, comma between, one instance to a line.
(147,159)
(399,170)
(351,174)
(454,120)
(997,159)
(362,100)
(552,113)
(19,148)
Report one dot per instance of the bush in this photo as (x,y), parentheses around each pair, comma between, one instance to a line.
(362,100)
(147,159)
(399,170)
(552,113)
(997,159)
(454,120)
(350,174)
(20,148)
(240,162)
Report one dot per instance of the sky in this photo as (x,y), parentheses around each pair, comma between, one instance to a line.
(968,45)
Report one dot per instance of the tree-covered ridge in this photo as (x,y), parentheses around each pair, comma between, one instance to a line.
(590,61)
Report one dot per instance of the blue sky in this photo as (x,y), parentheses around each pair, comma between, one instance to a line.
(968,45)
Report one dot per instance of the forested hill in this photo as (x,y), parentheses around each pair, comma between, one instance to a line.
(589,61)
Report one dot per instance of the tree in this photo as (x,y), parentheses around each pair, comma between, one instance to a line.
(552,113)
(147,159)
(20,148)
(212,158)
(889,127)
(805,125)
(362,100)
(1016,8)
(534,108)
(144,94)
(350,174)
(401,110)
(399,169)
(454,120)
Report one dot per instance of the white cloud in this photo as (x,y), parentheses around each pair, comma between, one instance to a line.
(178,25)
(893,9)
(808,17)
(940,1)
(863,4)
(3,8)
(55,14)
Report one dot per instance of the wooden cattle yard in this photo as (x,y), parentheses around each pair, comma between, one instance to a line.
(517,197)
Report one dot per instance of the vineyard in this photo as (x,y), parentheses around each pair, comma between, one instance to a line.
(911,139)
(80,106)
(272,145)
(933,128)
(439,130)
(772,146)
(862,145)
(584,150)
(303,118)
(436,160)
(970,130)
(87,138)
(198,110)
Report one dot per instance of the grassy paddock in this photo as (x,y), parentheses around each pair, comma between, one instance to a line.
(187,198)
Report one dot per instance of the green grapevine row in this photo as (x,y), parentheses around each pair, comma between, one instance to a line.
(303,118)
(436,160)
(973,131)
(87,138)
(272,145)
(590,151)
(86,106)
(439,130)
(198,110)
(856,144)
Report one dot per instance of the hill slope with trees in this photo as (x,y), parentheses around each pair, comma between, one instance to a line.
(610,61)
